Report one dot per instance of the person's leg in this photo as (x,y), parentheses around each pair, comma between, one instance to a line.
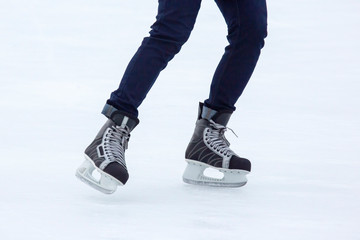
(247,28)
(106,153)
(174,22)
(208,148)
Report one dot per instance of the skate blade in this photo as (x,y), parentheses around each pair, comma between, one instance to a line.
(194,174)
(106,184)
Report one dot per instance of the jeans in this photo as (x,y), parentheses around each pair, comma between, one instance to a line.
(247,27)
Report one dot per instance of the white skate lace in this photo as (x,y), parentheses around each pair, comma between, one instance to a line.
(115,144)
(216,139)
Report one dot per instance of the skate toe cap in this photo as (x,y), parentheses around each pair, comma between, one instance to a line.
(117,171)
(240,163)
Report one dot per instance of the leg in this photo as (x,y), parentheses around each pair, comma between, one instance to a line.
(208,147)
(247,23)
(174,22)
(106,153)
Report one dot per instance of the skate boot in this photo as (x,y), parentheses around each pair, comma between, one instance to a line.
(208,148)
(106,153)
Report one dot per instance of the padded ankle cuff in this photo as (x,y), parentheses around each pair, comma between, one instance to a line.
(120,118)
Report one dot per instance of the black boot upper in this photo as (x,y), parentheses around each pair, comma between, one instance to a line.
(107,150)
(213,123)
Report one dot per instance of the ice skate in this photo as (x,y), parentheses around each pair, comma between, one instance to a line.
(106,153)
(208,148)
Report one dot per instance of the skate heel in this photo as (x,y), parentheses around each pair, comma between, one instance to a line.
(194,174)
(106,184)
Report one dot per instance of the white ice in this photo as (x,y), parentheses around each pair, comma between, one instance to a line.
(298,121)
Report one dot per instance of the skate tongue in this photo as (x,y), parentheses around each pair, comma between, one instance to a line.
(207,113)
(220,117)
(120,118)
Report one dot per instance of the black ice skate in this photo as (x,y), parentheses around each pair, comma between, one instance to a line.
(106,153)
(208,148)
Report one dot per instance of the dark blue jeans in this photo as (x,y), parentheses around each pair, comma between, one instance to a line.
(247,28)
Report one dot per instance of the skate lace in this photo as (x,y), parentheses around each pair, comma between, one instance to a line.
(215,137)
(116,143)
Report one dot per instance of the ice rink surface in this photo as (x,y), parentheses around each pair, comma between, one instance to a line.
(298,121)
